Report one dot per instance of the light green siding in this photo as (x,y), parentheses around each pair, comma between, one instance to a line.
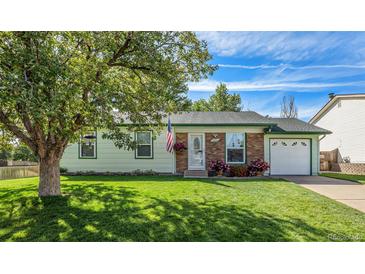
(315,147)
(110,158)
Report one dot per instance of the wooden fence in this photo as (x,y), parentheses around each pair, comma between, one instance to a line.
(17,163)
(328,158)
(13,172)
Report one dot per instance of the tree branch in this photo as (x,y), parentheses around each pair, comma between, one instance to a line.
(130,67)
(122,49)
(17,131)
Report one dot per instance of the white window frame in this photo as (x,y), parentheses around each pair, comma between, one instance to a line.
(242,148)
(150,144)
(95,149)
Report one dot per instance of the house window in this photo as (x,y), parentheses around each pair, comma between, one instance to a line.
(144,148)
(87,145)
(235,148)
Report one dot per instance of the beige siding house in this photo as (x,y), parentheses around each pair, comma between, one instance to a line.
(290,146)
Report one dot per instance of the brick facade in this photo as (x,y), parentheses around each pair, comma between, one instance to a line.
(182,157)
(254,146)
(214,147)
(215,150)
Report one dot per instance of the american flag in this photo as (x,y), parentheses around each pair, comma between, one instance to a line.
(169,137)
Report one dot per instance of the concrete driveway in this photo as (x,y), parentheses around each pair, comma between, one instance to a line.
(346,192)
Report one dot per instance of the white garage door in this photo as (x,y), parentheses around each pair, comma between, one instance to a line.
(290,157)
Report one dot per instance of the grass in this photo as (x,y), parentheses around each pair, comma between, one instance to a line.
(350,177)
(173,209)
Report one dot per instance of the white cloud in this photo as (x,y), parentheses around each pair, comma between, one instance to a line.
(210,85)
(286,46)
(290,67)
(308,112)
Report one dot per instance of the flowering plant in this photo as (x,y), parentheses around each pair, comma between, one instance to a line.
(179,146)
(237,171)
(218,165)
(257,166)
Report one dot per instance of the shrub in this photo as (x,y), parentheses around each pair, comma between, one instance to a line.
(237,171)
(257,166)
(5,154)
(139,172)
(218,165)
(63,169)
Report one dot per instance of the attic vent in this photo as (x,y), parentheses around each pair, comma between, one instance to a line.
(339,104)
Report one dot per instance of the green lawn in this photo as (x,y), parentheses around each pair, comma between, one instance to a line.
(356,178)
(173,209)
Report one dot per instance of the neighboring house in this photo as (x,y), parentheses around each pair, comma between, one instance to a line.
(344,116)
(291,146)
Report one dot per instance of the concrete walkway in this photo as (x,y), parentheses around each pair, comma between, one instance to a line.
(346,192)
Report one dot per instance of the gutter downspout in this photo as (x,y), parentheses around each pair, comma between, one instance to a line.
(319,154)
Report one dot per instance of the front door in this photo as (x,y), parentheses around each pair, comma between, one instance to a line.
(196,151)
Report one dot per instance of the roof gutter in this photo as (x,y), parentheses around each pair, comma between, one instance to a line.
(212,125)
(324,135)
(298,132)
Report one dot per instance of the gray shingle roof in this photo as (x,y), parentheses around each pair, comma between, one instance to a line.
(293,125)
(244,118)
(220,118)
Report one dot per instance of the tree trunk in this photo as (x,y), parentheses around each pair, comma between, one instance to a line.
(49,177)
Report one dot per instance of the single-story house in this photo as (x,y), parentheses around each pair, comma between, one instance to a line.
(343,115)
(290,146)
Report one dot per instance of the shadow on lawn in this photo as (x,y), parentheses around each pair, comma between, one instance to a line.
(125,215)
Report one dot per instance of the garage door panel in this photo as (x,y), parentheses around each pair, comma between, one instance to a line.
(290,156)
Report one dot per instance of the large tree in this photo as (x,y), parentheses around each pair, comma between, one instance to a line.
(220,101)
(55,85)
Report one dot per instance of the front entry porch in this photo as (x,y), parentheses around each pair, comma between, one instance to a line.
(195,174)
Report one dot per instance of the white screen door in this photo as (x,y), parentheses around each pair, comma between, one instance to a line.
(196,151)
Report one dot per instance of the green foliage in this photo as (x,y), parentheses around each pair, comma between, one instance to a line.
(5,154)
(63,169)
(6,145)
(54,85)
(152,208)
(220,101)
(6,140)
(237,171)
(23,153)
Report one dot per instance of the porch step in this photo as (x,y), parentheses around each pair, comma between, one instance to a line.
(195,174)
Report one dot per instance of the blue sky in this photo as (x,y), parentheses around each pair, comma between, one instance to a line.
(265,66)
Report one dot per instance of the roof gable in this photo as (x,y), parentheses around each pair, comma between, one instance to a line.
(332,102)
